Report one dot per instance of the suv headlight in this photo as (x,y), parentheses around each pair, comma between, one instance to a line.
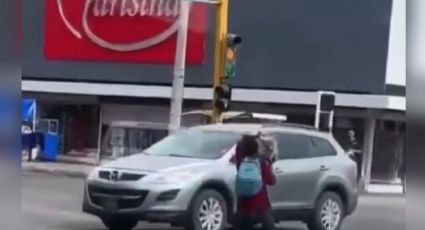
(93,173)
(172,178)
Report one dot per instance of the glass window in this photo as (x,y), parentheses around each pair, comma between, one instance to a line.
(294,146)
(322,147)
(195,144)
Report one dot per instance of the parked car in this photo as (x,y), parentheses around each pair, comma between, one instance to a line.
(187,179)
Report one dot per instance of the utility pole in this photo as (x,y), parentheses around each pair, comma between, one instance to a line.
(222,14)
(224,63)
(179,68)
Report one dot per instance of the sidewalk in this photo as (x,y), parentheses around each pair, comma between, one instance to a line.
(70,166)
(58,168)
(385,189)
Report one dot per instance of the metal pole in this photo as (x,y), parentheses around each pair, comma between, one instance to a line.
(317,113)
(179,68)
(34,116)
(221,30)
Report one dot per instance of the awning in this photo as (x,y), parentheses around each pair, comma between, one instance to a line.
(28,109)
(365,101)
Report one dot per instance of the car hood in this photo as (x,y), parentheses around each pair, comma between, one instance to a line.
(146,163)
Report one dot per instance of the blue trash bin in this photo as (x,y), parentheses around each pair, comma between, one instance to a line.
(51,147)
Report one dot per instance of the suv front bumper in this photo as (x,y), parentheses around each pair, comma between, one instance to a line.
(148,205)
(175,216)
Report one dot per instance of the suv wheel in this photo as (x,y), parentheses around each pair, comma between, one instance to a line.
(328,213)
(208,211)
(119,223)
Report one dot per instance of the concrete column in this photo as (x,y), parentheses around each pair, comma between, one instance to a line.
(99,136)
(369,136)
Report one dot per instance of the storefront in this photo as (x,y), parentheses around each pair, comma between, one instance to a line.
(91,77)
(388,154)
(76,120)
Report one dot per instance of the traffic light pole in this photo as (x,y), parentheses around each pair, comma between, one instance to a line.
(179,68)
(220,47)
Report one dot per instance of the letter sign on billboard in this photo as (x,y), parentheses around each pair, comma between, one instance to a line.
(139,31)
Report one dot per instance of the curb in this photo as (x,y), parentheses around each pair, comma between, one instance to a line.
(77,161)
(58,172)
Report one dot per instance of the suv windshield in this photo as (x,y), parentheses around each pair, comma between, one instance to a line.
(195,144)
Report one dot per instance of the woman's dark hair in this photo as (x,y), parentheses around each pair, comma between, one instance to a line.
(248,145)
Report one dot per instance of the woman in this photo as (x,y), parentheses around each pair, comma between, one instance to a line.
(255,209)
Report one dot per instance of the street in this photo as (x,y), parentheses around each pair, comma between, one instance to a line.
(54,203)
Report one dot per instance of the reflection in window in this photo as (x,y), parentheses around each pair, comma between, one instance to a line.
(322,147)
(195,144)
(292,146)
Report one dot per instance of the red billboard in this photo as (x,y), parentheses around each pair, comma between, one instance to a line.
(138,31)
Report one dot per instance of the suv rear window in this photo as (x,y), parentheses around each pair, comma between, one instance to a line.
(292,146)
(297,146)
(322,147)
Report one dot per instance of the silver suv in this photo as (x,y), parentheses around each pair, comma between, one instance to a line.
(187,179)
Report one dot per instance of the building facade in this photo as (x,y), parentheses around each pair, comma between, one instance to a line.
(291,49)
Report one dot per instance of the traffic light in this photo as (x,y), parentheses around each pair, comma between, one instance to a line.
(327,102)
(233,41)
(325,111)
(222,88)
(222,94)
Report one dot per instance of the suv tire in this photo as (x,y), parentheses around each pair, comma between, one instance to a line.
(119,223)
(207,207)
(329,209)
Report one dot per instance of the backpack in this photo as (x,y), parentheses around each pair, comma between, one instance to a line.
(249,180)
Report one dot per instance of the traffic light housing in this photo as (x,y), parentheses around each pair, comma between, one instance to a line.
(222,88)
(325,111)
(222,94)
(233,40)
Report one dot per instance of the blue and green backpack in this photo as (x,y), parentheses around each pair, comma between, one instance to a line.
(249,180)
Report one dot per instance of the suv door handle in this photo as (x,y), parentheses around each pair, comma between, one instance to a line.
(324,168)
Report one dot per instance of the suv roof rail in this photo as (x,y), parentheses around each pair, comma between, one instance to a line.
(294,125)
(230,116)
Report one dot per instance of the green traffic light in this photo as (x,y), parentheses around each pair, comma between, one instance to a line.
(230,70)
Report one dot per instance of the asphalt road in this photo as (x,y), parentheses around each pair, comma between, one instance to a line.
(54,203)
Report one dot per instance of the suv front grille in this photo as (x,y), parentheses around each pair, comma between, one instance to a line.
(124,176)
(104,174)
(131,176)
(125,198)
